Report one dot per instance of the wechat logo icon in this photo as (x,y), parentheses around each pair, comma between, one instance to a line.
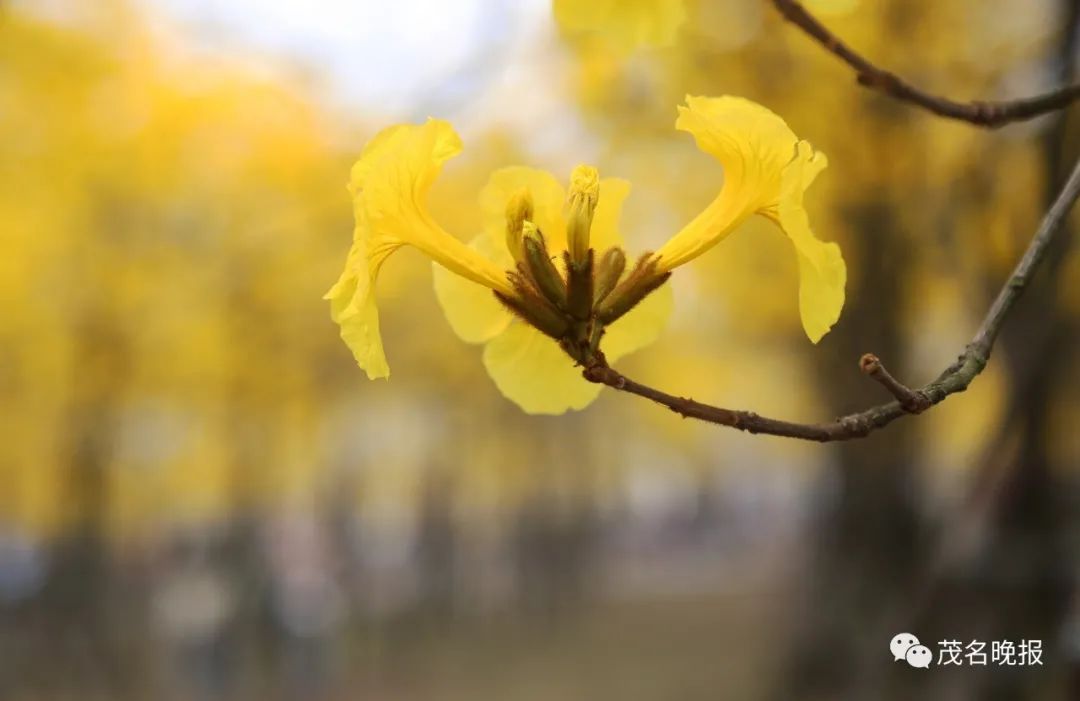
(905,646)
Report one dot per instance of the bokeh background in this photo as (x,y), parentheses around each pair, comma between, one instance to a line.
(201,496)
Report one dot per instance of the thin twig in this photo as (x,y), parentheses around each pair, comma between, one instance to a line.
(981,113)
(912,401)
(955,378)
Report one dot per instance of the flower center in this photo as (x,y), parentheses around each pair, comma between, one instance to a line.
(572,305)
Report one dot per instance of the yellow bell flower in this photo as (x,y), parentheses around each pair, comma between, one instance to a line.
(625,23)
(543,310)
(766,171)
(389,184)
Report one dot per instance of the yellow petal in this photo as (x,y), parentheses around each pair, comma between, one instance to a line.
(753,145)
(766,171)
(625,23)
(389,184)
(640,326)
(352,306)
(472,310)
(533,372)
(822,273)
(548,197)
(360,332)
(751,141)
(605,223)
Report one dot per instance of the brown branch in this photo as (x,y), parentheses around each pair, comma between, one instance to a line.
(980,113)
(955,378)
(913,402)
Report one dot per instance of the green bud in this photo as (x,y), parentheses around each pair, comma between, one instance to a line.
(530,306)
(608,271)
(641,281)
(542,271)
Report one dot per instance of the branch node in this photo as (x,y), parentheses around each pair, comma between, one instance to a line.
(911,401)
(854,426)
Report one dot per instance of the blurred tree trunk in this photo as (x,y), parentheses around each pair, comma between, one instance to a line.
(867,550)
(556,526)
(251,634)
(863,547)
(76,629)
(1017,585)
(437,549)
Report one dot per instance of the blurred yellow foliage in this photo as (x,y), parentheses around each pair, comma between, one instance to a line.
(626,24)
(161,213)
(171,218)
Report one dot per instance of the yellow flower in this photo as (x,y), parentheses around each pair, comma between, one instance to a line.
(766,171)
(542,310)
(389,184)
(625,23)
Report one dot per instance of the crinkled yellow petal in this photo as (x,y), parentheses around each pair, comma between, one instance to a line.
(766,171)
(472,310)
(753,145)
(533,372)
(605,224)
(626,23)
(548,197)
(360,331)
(389,183)
(822,273)
(640,326)
(751,141)
(352,306)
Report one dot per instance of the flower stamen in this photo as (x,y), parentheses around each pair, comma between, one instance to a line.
(519,209)
(581,206)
